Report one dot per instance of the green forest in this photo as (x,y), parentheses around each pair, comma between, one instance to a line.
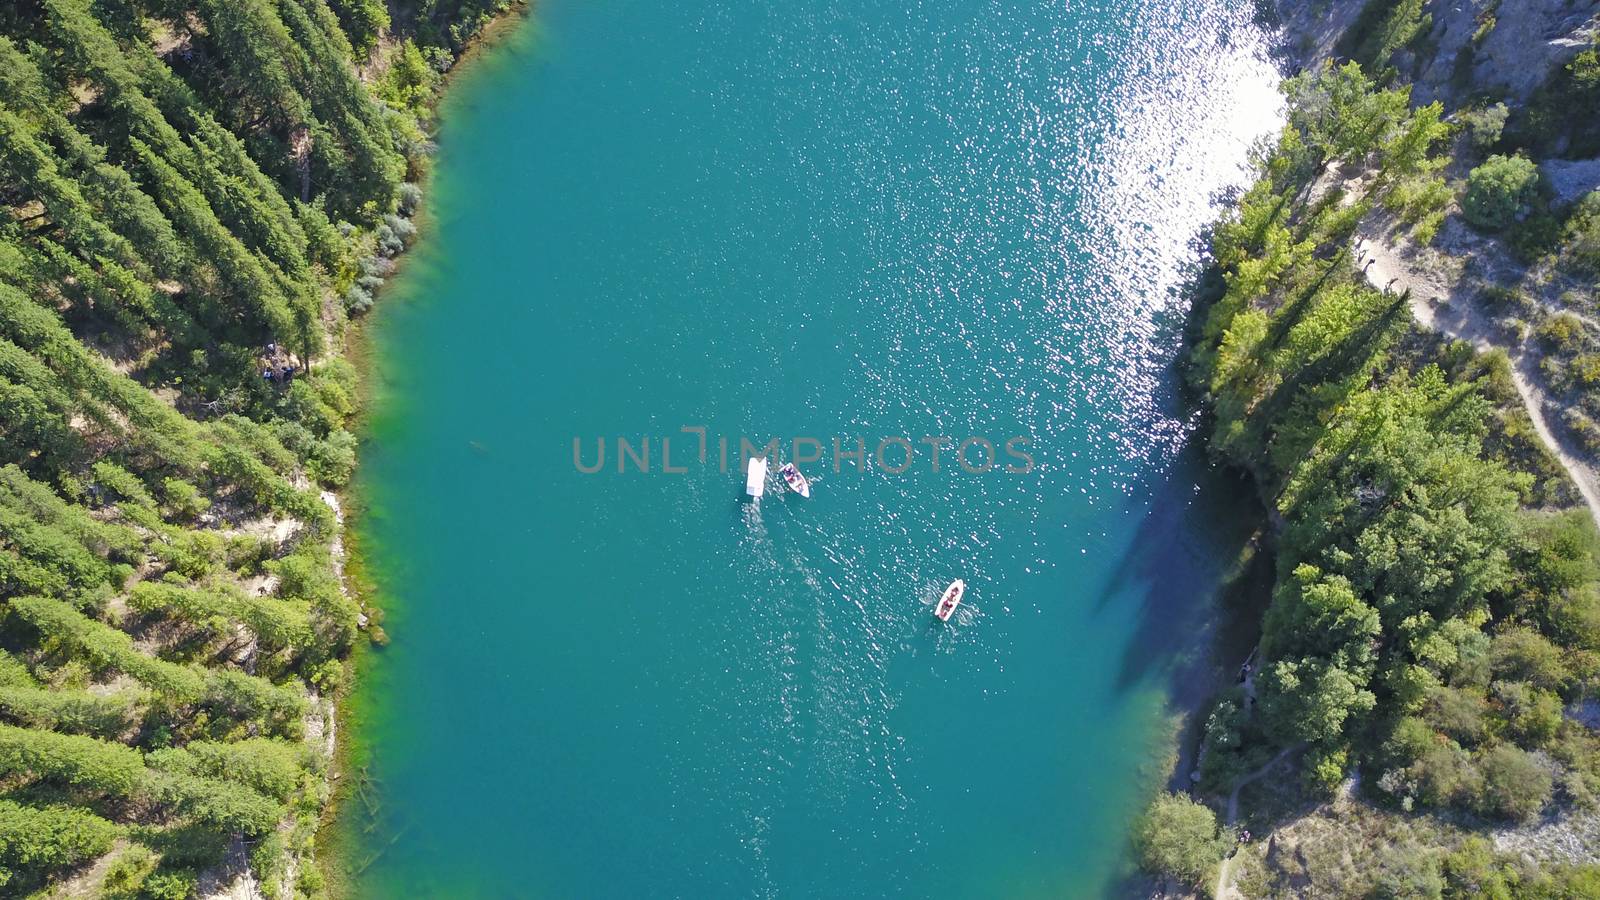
(1432,583)
(199,197)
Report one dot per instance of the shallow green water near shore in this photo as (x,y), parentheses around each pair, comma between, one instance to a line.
(818,220)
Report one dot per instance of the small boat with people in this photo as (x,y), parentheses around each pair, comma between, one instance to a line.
(796,481)
(950,600)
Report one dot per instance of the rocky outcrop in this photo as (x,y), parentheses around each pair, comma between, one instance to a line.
(1500,48)
(1313,27)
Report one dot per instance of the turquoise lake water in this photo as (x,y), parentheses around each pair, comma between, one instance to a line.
(807,219)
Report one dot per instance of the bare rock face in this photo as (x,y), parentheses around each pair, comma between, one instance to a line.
(1313,27)
(1528,39)
(1465,56)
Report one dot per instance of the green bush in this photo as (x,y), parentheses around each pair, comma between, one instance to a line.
(194,554)
(1471,871)
(1408,872)
(1582,428)
(1531,715)
(1459,714)
(277,624)
(1574,616)
(1484,126)
(1515,785)
(1382,28)
(1178,838)
(187,845)
(1324,768)
(183,499)
(125,878)
(1522,654)
(1555,114)
(409,82)
(251,699)
(1562,333)
(1500,191)
(1583,234)
(363,21)
(170,884)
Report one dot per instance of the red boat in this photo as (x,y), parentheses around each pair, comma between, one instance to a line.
(950,600)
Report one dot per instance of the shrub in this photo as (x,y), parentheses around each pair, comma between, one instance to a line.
(1512,330)
(1498,299)
(1484,126)
(125,877)
(1515,785)
(1383,28)
(171,884)
(1500,191)
(1585,369)
(1531,715)
(1574,616)
(1562,333)
(409,81)
(1407,873)
(362,22)
(1421,202)
(183,499)
(248,698)
(1178,837)
(1583,429)
(1441,774)
(410,197)
(1325,768)
(1583,234)
(1471,870)
(1553,116)
(1458,713)
(184,846)
(1522,654)
(357,300)
(193,553)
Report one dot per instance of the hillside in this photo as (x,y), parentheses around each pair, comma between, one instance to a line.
(198,198)
(1395,341)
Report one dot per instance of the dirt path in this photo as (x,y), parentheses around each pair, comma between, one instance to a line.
(1233,796)
(1437,304)
(1224,889)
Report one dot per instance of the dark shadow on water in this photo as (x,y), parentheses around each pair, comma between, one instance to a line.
(1201,572)
(1199,524)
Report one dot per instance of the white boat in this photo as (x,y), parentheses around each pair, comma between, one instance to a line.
(950,600)
(796,481)
(755,477)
